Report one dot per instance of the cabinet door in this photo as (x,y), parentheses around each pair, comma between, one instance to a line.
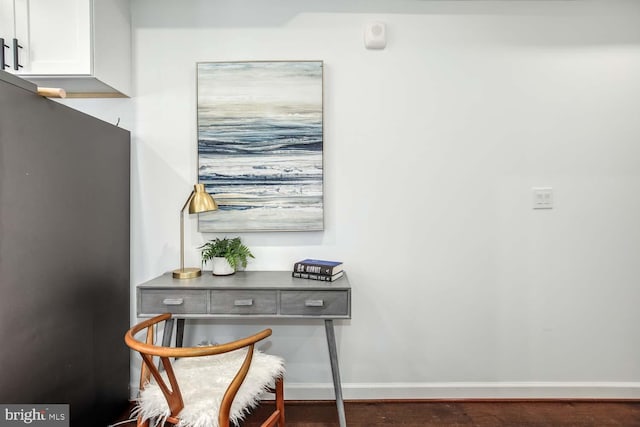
(57,36)
(6,19)
(21,37)
(7,32)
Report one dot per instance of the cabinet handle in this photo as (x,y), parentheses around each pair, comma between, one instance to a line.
(16,58)
(173,301)
(314,303)
(3,64)
(243,302)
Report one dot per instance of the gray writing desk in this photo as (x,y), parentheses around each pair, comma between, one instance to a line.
(256,295)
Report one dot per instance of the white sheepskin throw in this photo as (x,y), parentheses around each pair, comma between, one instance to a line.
(203,381)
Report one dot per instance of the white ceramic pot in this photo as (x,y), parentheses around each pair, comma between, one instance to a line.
(221,267)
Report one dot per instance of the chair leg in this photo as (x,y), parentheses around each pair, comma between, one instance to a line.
(280,400)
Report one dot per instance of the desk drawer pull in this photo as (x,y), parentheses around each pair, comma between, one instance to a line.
(314,303)
(243,302)
(173,301)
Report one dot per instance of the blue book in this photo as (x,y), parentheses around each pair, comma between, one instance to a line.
(318,266)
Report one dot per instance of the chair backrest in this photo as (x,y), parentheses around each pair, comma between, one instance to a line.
(148,350)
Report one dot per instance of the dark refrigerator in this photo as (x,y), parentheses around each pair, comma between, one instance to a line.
(64,256)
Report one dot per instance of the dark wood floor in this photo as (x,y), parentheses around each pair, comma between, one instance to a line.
(464,413)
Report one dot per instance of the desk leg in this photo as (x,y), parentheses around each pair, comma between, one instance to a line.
(179,332)
(168,333)
(335,370)
(166,338)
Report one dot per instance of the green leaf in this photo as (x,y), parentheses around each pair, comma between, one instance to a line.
(232,249)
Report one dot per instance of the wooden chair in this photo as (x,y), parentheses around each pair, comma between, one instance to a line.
(204,386)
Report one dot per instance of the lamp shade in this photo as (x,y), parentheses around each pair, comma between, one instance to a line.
(201,201)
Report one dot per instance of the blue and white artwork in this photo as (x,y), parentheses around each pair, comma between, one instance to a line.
(260,137)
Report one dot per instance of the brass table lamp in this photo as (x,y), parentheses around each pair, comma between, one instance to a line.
(199,201)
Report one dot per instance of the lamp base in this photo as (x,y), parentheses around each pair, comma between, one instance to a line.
(186,273)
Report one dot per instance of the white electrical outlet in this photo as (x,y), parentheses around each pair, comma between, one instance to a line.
(543,198)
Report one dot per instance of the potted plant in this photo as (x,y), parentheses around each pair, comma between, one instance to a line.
(226,255)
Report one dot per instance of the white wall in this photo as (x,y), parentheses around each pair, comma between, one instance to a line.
(432,147)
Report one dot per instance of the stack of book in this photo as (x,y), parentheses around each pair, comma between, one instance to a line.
(318,269)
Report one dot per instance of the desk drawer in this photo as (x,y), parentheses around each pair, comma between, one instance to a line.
(243,302)
(319,303)
(156,301)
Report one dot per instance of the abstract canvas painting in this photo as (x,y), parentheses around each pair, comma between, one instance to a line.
(260,143)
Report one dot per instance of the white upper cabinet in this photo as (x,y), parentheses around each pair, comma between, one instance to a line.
(13,35)
(82,46)
(59,37)
(6,34)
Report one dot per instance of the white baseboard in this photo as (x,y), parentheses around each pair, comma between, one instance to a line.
(467,390)
(462,390)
